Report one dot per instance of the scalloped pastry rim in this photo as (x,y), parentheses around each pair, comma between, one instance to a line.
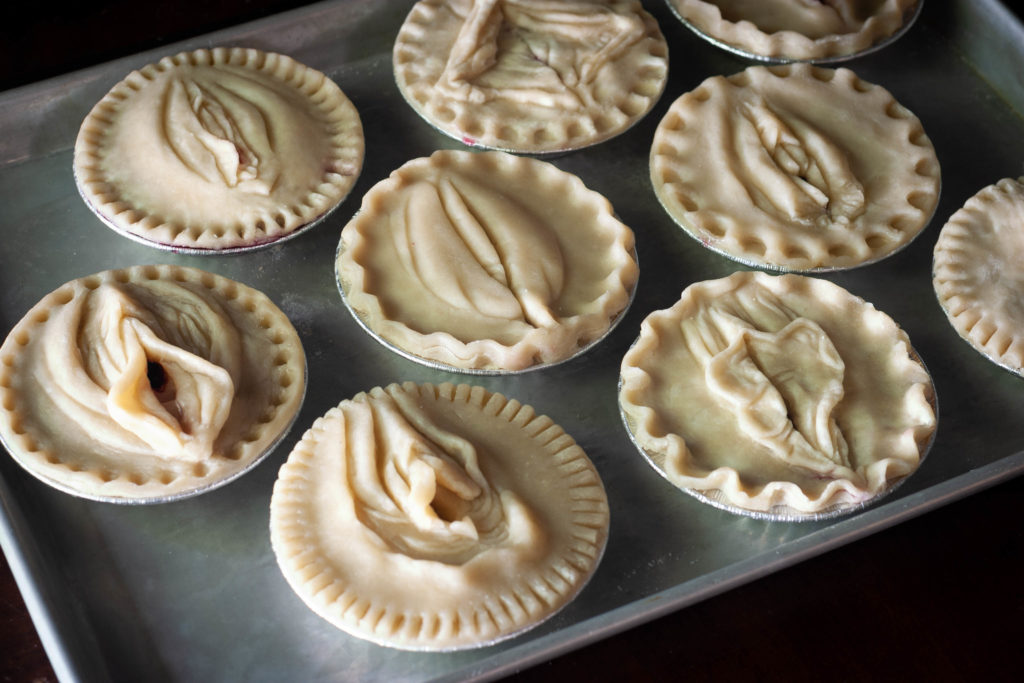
(480,355)
(141,225)
(746,38)
(291,545)
(964,219)
(776,500)
(460,125)
(91,484)
(667,190)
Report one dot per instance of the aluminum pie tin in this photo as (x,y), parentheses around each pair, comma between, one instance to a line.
(459,134)
(181,495)
(316,555)
(711,245)
(909,18)
(785,513)
(202,485)
(944,305)
(480,372)
(207,251)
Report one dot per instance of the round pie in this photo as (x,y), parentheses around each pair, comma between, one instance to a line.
(530,76)
(485,261)
(978,272)
(218,150)
(796,168)
(148,384)
(784,397)
(443,517)
(798,30)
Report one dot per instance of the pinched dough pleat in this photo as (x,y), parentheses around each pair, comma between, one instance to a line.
(419,487)
(782,385)
(486,261)
(219,135)
(107,375)
(506,263)
(436,517)
(786,396)
(535,51)
(797,172)
(795,168)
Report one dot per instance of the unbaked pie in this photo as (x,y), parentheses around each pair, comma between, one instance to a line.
(148,384)
(797,30)
(978,274)
(486,261)
(531,76)
(778,396)
(442,517)
(796,168)
(224,149)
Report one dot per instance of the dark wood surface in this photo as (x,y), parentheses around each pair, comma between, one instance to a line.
(936,598)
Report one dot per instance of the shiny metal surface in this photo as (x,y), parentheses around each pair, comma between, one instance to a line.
(189,590)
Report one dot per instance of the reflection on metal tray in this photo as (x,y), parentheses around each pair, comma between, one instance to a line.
(190,590)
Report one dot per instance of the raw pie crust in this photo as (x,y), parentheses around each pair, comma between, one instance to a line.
(530,75)
(782,395)
(485,260)
(796,29)
(437,517)
(978,276)
(149,383)
(795,168)
(218,150)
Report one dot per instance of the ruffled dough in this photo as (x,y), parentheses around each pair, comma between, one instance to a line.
(451,260)
(530,75)
(780,395)
(796,168)
(437,517)
(797,29)
(978,276)
(218,149)
(148,383)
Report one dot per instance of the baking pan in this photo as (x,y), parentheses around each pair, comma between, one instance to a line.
(190,590)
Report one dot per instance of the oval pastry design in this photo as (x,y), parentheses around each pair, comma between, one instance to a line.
(220,150)
(536,52)
(485,262)
(220,135)
(794,171)
(531,76)
(510,263)
(796,168)
(419,486)
(148,384)
(437,517)
(780,397)
(782,380)
(162,383)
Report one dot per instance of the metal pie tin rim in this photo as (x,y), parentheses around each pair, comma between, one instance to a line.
(210,251)
(711,245)
(909,18)
(480,372)
(712,497)
(203,487)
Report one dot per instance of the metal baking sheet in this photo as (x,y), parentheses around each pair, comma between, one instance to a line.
(190,590)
